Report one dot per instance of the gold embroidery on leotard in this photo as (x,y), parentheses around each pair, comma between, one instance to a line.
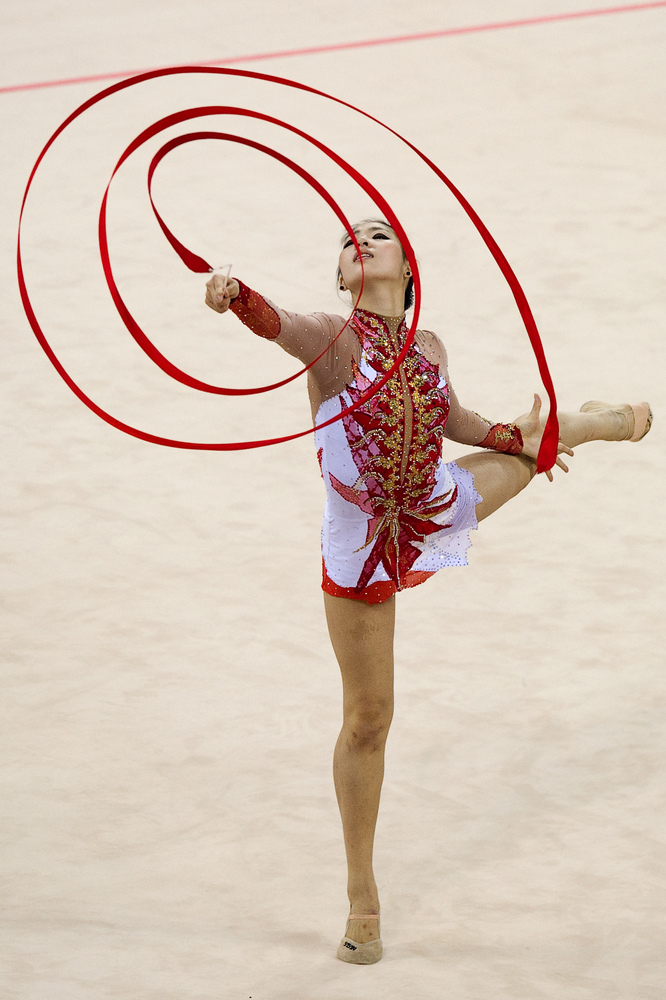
(395,439)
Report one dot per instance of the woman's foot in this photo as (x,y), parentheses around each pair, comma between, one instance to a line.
(361,944)
(363,927)
(636,419)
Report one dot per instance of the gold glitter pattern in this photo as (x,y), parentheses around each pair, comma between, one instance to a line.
(395,438)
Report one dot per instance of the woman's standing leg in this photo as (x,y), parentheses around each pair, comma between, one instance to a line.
(362,638)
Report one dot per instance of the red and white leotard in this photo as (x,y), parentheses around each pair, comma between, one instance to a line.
(395,511)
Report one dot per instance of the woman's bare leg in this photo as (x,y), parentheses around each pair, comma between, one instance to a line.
(362,638)
(499,477)
(598,425)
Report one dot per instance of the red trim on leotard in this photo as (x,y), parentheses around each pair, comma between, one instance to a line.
(373,593)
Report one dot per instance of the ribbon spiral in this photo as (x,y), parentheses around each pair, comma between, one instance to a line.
(548,450)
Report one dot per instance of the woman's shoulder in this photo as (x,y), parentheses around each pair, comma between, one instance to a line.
(431,347)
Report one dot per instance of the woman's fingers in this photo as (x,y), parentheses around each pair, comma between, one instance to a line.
(215,293)
(560,464)
(220,290)
(562,448)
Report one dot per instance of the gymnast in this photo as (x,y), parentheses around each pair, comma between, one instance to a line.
(395,511)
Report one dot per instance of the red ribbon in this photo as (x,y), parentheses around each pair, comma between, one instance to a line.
(548,449)
(198,264)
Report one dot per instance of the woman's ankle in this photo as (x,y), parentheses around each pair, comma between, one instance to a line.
(363,900)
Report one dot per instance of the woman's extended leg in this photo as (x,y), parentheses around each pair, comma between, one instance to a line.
(499,477)
(362,638)
(603,422)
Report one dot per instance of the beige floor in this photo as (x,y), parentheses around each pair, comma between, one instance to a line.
(170,701)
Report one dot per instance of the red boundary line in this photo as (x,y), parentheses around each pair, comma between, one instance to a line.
(341,46)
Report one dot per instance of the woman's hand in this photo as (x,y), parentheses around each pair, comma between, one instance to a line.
(220,292)
(531,427)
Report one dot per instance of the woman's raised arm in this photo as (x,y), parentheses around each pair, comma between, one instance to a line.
(303,336)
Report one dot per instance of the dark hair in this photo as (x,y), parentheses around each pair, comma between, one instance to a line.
(409,290)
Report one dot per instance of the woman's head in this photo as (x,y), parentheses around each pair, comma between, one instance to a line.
(383,259)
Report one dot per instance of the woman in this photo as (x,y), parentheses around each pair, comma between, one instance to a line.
(395,512)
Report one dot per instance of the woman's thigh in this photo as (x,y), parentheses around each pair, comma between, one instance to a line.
(497,478)
(362,639)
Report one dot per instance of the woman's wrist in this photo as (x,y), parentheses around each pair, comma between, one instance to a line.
(505,438)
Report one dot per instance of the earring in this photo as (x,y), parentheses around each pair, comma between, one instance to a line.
(408,274)
(343,288)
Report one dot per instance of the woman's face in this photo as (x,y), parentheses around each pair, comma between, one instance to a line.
(381,252)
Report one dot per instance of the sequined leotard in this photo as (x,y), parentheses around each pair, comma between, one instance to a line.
(395,511)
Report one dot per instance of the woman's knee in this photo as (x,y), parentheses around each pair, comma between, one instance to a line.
(530,466)
(367,724)
(498,478)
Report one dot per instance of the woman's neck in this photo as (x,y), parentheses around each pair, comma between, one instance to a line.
(386,301)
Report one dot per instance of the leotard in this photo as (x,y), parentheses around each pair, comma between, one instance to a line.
(395,511)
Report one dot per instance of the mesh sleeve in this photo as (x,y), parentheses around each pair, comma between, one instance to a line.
(255,313)
(462,425)
(467,427)
(304,336)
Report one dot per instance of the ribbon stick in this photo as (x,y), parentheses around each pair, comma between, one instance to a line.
(548,450)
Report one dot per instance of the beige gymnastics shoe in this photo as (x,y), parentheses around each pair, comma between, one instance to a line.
(361,954)
(639,416)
